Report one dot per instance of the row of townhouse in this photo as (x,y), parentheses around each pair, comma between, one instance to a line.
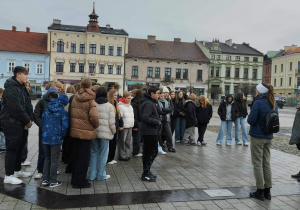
(68,53)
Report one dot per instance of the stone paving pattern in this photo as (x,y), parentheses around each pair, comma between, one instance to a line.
(191,167)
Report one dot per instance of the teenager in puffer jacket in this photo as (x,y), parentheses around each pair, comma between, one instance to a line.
(127,114)
(191,120)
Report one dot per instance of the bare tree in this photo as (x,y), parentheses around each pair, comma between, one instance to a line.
(245,88)
(214,92)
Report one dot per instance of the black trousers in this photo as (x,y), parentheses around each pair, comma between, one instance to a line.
(67,147)
(165,134)
(172,124)
(81,158)
(16,139)
(112,148)
(150,150)
(201,131)
(25,152)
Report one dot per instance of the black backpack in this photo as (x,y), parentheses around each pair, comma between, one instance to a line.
(271,124)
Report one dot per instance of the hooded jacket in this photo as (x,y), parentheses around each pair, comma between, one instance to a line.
(137,112)
(178,108)
(54,123)
(84,116)
(190,114)
(241,107)
(16,104)
(107,128)
(222,111)
(150,121)
(127,114)
(204,114)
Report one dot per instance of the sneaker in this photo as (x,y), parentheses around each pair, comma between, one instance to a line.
(26,163)
(198,143)
(22,174)
(114,161)
(107,177)
(2,150)
(138,155)
(239,143)
(150,173)
(193,144)
(177,141)
(110,163)
(203,143)
(45,183)
(228,144)
(162,153)
(148,178)
(246,144)
(172,150)
(57,172)
(219,144)
(12,180)
(56,184)
(296,176)
(38,176)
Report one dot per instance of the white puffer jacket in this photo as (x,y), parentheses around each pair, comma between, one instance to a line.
(127,114)
(107,128)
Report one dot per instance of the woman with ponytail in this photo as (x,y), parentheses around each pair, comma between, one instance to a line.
(260,142)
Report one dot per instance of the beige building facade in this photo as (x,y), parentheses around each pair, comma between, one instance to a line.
(175,64)
(87,51)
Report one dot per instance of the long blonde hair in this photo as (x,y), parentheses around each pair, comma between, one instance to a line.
(204,101)
(110,97)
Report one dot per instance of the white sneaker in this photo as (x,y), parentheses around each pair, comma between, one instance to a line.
(22,174)
(107,177)
(12,180)
(219,144)
(246,144)
(239,143)
(114,161)
(228,144)
(162,153)
(26,163)
(38,176)
(139,155)
(110,163)
(57,172)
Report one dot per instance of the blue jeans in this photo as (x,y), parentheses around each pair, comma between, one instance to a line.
(99,153)
(225,124)
(2,141)
(179,128)
(240,121)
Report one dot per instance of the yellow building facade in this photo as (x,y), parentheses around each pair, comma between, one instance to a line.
(87,51)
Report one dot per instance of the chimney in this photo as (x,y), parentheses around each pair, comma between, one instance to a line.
(14,28)
(290,47)
(27,29)
(56,21)
(107,26)
(151,39)
(177,39)
(229,42)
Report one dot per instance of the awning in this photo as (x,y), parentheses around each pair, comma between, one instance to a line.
(180,85)
(196,86)
(134,82)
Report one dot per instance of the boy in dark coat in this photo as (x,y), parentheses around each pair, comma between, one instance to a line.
(191,120)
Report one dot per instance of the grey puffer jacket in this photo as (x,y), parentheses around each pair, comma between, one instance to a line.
(150,121)
(295,138)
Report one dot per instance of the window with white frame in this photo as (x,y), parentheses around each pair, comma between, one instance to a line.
(119,70)
(101,68)
(27,66)
(11,66)
(110,69)
(39,68)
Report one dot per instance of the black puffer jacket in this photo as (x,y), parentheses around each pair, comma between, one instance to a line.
(119,122)
(40,107)
(137,112)
(204,114)
(16,104)
(179,107)
(190,114)
(222,111)
(241,107)
(150,121)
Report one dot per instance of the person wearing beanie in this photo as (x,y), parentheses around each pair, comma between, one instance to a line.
(40,107)
(54,125)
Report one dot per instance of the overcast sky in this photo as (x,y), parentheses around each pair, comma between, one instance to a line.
(265,24)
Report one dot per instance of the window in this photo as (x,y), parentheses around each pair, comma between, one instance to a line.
(110,69)
(291,66)
(245,73)
(227,71)
(199,75)
(111,50)
(39,68)
(237,58)
(27,66)
(275,68)
(212,70)
(167,74)
(101,69)
(185,74)
(217,71)
(73,48)
(11,66)
(246,59)
(178,73)
(298,66)
(59,67)
(102,50)
(290,81)
(255,59)
(60,46)
(237,73)
(92,68)
(72,67)
(298,81)
(157,72)
(149,72)
(228,57)
(119,69)
(92,48)
(81,67)
(281,69)
(212,56)
(227,89)
(254,74)
(135,71)
(82,49)
(281,82)
(218,57)
(119,51)
(274,82)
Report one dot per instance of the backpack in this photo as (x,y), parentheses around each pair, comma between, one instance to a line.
(271,124)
